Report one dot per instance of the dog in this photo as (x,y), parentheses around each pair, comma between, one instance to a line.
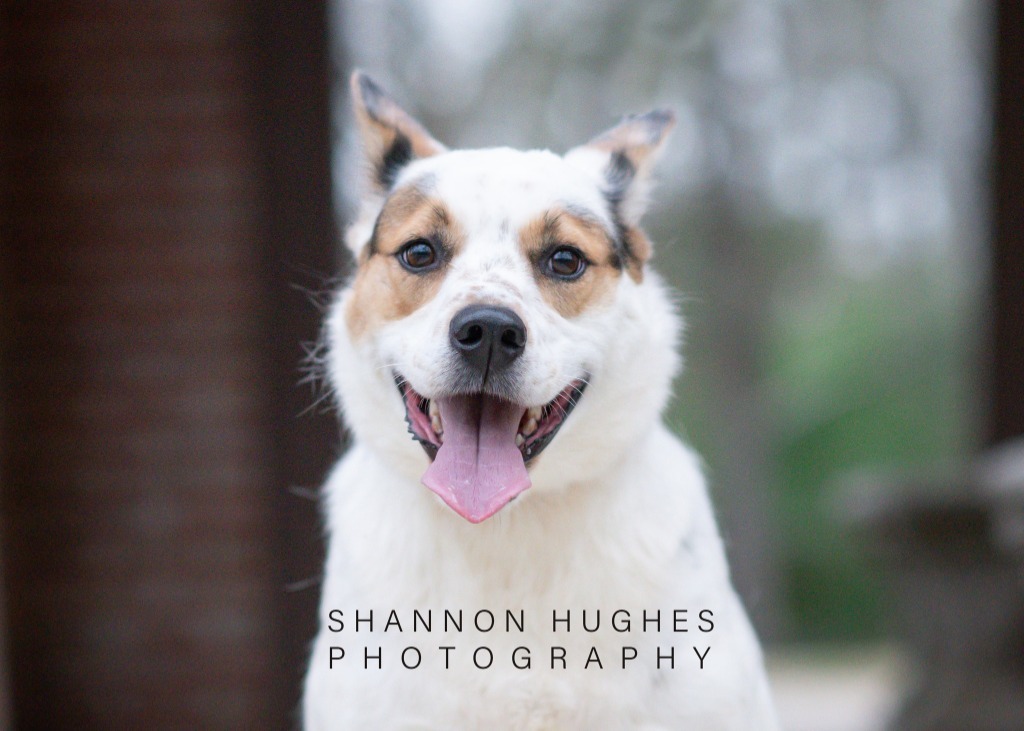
(515,539)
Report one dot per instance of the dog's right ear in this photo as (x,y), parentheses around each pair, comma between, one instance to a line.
(391,138)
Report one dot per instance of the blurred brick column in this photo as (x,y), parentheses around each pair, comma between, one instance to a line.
(1006,364)
(149,352)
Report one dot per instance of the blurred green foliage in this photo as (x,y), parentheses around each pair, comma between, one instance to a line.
(857,373)
(872,374)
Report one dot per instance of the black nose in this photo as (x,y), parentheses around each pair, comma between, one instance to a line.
(488,337)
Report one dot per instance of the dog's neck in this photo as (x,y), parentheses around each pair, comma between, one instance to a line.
(530,553)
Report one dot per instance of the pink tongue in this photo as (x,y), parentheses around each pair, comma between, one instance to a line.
(478,468)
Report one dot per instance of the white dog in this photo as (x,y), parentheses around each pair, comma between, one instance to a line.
(516,541)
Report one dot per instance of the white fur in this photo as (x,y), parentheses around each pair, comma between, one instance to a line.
(618,516)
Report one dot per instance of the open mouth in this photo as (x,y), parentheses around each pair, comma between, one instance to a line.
(480,444)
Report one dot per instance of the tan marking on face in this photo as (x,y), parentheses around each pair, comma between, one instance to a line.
(639,247)
(597,283)
(383,289)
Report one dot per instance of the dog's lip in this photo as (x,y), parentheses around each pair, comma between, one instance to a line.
(553,415)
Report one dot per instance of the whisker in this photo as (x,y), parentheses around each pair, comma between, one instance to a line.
(326,396)
(313,368)
(303,584)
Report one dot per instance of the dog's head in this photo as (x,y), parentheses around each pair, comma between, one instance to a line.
(501,308)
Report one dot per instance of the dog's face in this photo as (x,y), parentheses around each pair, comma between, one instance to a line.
(496,292)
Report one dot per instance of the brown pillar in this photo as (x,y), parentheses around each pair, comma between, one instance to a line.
(1007,359)
(153,219)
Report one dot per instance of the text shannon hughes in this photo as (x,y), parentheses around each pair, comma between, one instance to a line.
(557,624)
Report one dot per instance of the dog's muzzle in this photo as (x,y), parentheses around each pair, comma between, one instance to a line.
(478,434)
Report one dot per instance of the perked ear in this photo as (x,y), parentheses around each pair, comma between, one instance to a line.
(391,138)
(622,158)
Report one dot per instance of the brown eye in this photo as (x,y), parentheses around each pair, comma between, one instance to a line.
(418,255)
(566,262)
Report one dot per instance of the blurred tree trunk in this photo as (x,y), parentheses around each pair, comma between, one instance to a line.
(1006,365)
(736,296)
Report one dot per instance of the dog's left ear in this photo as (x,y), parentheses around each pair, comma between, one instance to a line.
(391,137)
(622,159)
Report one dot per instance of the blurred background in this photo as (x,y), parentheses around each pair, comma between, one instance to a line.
(838,212)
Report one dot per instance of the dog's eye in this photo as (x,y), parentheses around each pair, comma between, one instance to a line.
(566,262)
(417,255)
